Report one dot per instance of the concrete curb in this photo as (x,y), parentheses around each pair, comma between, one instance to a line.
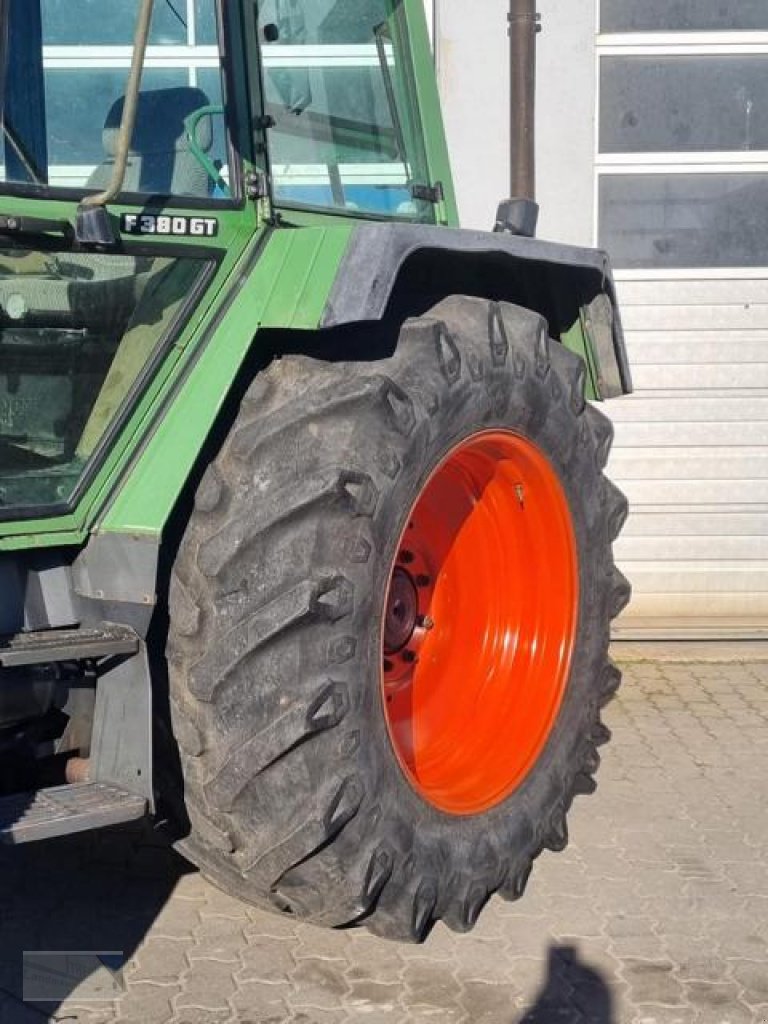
(630,652)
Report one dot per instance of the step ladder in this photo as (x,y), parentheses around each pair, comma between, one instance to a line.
(27,817)
(103,641)
(80,807)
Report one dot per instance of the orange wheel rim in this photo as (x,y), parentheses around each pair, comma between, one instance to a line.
(479,623)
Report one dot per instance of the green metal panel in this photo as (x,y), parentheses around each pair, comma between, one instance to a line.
(577,340)
(310,263)
(288,287)
(431,110)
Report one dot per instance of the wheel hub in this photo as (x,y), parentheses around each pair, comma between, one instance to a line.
(402,612)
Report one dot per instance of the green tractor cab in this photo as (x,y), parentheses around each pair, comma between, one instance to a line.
(305,541)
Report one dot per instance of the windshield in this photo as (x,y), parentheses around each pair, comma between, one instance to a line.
(61,98)
(340,101)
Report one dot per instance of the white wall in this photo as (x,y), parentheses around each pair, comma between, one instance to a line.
(565,120)
(472,61)
(472,51)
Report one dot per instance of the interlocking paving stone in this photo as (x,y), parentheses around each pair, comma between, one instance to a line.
(149,1002)
(657,913)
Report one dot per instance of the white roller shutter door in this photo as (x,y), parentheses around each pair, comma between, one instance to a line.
(691,454)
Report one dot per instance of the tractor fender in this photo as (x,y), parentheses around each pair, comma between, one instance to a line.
(402,270)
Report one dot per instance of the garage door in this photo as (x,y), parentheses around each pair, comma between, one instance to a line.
(692,455)
(683,209)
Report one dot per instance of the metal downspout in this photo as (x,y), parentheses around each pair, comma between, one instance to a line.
(524,23)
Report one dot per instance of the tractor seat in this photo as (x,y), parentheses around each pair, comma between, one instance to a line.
(160,160)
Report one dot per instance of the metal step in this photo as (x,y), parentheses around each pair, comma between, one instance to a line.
(26,817)
(103,641)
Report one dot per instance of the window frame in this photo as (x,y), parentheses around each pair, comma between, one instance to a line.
(343,55)
(675,44)
(191,58)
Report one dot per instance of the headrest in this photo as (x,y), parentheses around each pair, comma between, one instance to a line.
(160,122)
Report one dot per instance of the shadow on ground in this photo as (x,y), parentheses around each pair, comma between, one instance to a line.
(572,993)
(95,892)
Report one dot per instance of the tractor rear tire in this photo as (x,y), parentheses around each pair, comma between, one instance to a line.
(389,625)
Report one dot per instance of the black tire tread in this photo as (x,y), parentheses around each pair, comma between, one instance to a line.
(257,581)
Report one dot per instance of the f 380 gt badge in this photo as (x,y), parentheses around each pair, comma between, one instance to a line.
(168,225)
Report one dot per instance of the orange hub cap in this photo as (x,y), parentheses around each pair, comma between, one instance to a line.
(479,623)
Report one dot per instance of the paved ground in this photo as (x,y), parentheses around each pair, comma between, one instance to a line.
(657,912)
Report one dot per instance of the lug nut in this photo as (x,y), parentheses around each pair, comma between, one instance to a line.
(423,581)
(426,622)
(409,657)
(406,557)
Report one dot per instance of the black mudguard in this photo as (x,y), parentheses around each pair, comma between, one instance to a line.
(408,268)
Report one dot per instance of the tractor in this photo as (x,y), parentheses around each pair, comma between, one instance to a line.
(306,540)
